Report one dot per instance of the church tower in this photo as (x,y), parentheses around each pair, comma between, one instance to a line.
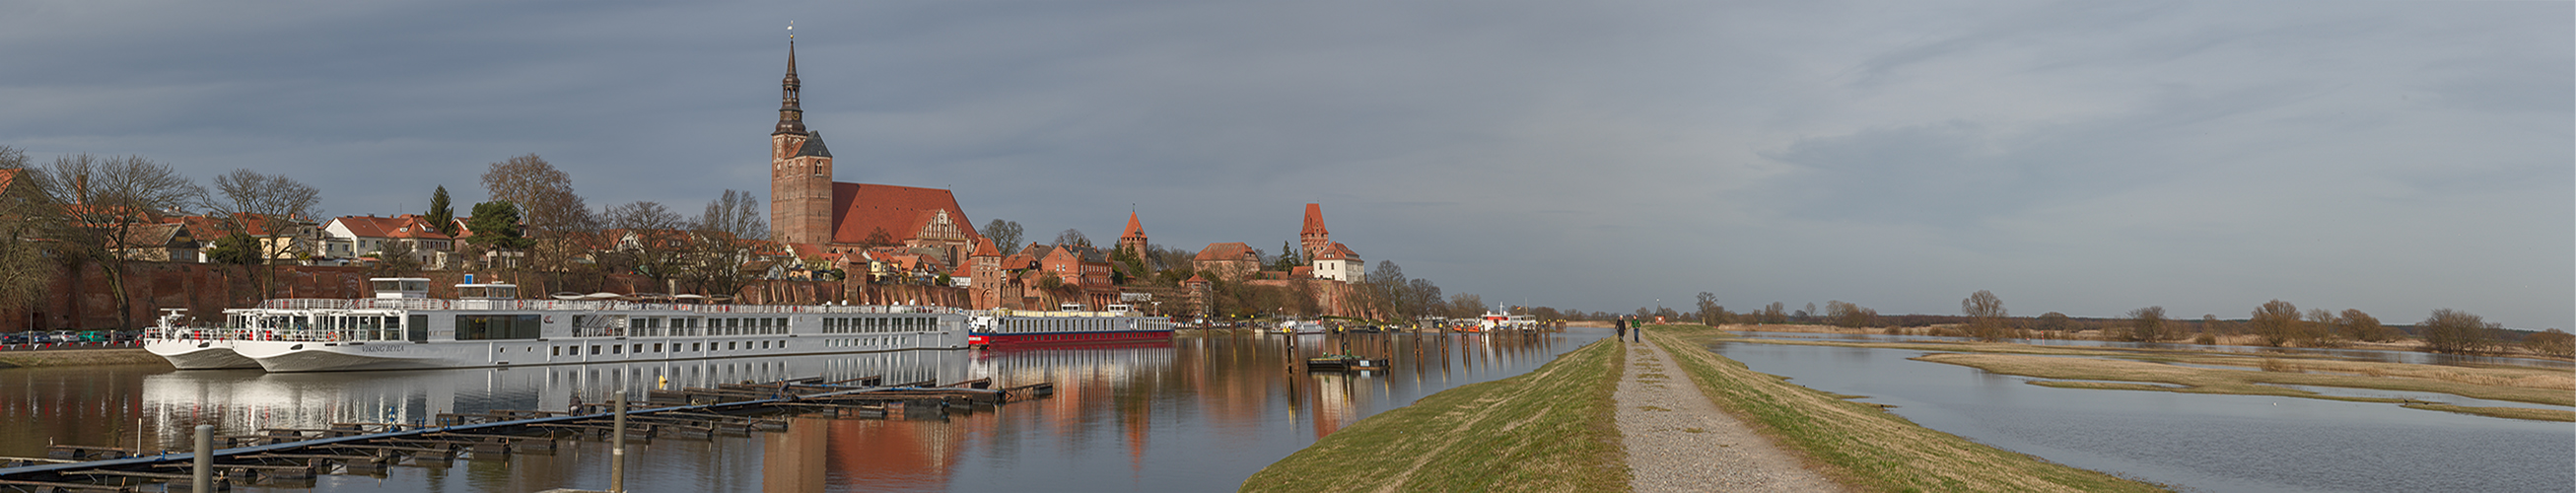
(800,170)
(1133,240)
(1314,237)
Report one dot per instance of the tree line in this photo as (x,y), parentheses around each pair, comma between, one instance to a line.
(2274,323)
(83,211)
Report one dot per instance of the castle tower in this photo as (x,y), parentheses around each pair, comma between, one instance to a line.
(800,170)
(1314,238)
(1133,241)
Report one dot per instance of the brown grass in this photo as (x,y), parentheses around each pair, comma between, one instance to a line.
(2506,384)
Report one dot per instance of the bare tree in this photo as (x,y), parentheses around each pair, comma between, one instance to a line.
(107,200)
(1466,305)
(28,215)
(2552,342)
(2320,329)
(650,239)
(2454,331)
(394,259)
(724,237)
(273,208)
(2277,322)
(2053,322)
(1848,314)
(2148,324)
(1005,235)
(562,226)
(1387,288)
(2362,327)
(1986,315)
(1072,236)
(1710,313)
(1425,297)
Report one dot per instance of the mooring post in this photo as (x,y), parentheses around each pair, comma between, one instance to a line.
(617,444)
(204,473)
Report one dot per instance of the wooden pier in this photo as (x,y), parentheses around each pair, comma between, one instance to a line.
(288,456)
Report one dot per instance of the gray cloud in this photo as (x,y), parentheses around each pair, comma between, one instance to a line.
(2082,157)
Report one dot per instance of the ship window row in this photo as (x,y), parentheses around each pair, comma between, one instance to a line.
(865,325)
(869,342)
(638,348)
(623,326)
(1033,325)
(311,322)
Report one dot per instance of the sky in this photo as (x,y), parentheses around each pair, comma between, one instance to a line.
(2083,157)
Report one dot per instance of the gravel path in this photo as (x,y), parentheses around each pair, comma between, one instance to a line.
(1678,441)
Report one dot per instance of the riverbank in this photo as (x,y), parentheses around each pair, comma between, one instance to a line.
(1862,445)
(1552,429)
(79,357)
(2188,371)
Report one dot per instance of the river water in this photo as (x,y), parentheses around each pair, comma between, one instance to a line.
(2196,442)
(1198,413)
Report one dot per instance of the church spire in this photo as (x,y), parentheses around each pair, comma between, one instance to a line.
(791,117)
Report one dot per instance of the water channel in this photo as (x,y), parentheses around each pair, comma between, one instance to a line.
(2196,442)
(1198,413)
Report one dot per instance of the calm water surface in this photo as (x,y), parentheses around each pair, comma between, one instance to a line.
(1199,413)
(2194,441)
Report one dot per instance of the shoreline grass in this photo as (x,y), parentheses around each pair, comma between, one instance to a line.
(1552,429)
(1861,445)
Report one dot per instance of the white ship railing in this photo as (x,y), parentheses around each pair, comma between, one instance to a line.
(562,305)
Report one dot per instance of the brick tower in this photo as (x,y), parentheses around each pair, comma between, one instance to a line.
(800,170)
(1133,240)
(1314,238)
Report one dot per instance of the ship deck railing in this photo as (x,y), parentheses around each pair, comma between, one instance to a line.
(580,305)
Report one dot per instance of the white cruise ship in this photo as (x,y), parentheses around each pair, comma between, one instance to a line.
(488,326)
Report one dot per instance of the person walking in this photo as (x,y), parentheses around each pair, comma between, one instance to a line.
(1622,326)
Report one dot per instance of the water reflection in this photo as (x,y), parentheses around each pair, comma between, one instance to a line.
(1200,412)
(2375,355)
(2196,441)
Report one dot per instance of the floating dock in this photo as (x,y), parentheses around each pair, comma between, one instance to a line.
(292,457)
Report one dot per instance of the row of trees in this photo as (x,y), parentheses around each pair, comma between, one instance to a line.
(2277,323)
(84,210)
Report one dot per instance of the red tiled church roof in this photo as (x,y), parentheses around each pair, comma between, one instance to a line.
(859,210)
(1134,228)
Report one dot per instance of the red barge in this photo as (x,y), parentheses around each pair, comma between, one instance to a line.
(1008,328)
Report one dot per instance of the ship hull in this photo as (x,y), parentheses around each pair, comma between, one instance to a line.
(200,355)
(982,339)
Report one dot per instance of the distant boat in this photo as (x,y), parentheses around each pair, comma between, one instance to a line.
(1003,328)
(1301,327)
(1343,362)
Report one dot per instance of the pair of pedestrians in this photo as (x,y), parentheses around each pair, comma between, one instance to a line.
(1632,334)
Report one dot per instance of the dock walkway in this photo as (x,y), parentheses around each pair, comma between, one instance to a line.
(736,409)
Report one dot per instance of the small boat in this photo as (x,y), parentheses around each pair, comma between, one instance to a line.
(1343,362)
(1301,327)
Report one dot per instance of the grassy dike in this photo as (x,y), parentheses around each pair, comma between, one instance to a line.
(79,357)
(1861,445)
(1552,429)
